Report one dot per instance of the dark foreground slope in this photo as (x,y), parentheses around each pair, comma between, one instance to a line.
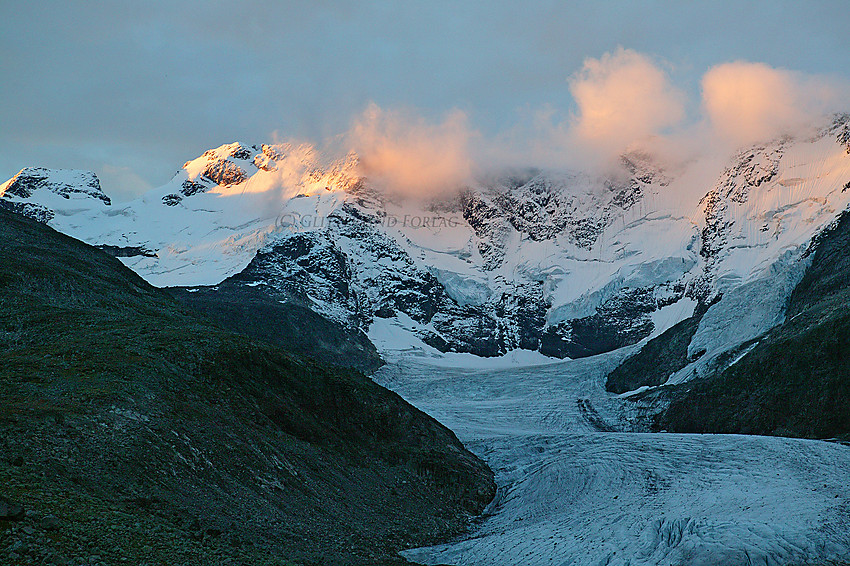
(796,381)
(155,437)
(285,323)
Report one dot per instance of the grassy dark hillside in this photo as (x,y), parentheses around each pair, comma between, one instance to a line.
(660,357)
(292,326)
(133,431)
(796,381)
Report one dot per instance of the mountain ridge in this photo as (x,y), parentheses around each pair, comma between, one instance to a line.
(568,264)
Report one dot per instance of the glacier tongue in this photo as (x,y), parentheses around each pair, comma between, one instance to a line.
(743,314)
(571,491)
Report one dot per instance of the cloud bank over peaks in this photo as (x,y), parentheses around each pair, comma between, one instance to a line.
(751,102)
(624,101)
(622,97)
(402,152)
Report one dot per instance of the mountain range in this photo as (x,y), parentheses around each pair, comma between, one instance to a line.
(710,292)
(564,263)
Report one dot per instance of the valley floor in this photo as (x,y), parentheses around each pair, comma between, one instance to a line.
(574,491)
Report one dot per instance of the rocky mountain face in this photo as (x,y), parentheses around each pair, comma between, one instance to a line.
(794,380)
(564,263)
(135,431)
(16,193)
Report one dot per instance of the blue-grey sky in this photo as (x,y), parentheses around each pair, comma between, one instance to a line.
(133,89)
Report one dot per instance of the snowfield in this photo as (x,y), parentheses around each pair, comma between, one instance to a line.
(572,491)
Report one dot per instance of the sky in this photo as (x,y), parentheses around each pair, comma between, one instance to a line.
(133,90)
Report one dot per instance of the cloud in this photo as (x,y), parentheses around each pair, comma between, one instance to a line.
(121,183)
(402,152)
(750,102)
(623,100)
(622,97)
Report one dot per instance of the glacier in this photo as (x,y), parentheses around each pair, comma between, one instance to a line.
(573,490)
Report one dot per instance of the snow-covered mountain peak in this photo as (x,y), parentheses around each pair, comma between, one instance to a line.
(66,183)
(39,192)
(285,170)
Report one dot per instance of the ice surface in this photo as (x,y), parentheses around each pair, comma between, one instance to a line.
(571,491)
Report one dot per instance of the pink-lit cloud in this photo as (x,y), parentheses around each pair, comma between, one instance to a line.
(622,97)
(402,152)
(623,100)
(751,102)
